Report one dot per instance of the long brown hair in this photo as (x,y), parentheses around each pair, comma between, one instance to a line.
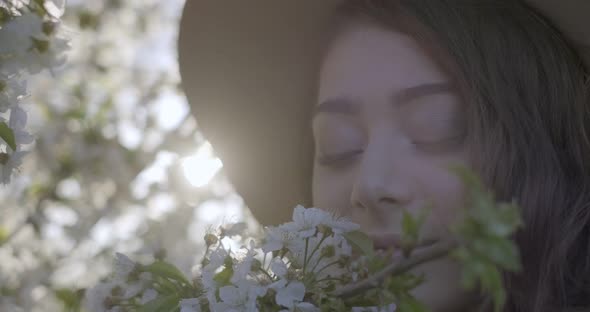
(528,100)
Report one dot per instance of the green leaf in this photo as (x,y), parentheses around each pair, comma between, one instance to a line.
(361,243)
(411,230)
(409,225)
(166,270)
(499,251)
(7,135)
(467,176)
(88,20)
(167,303)
(486,232)
(3,235)
(410,304)
(166,286)
(223,278)
(492,282)
(507,219)
(71,299)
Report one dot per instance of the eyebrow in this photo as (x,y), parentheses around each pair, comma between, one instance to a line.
(403,96)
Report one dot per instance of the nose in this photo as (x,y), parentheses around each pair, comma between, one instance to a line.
(380,185)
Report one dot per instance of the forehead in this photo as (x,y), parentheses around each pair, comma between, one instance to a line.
(370,59)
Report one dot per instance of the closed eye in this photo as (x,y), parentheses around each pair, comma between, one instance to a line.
(440,145)
(338,159)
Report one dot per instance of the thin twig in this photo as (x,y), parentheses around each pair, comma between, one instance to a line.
(417,257)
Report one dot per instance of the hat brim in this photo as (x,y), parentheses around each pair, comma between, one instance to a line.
(572,18)
(249,71)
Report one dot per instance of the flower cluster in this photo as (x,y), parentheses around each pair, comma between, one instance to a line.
(297,266)
(30,41)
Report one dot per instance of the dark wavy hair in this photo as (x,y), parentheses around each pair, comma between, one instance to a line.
(528,102)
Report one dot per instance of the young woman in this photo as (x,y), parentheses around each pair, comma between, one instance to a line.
(359,106)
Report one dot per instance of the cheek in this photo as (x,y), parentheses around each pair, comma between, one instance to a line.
(446,192)
(332,191)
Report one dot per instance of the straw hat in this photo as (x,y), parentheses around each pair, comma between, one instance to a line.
(249,70)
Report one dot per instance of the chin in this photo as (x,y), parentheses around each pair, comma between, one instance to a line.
(442,290)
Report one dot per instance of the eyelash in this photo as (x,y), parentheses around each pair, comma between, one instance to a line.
(441,145)
(340,160)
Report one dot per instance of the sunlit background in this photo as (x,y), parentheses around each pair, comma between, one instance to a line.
(118,165)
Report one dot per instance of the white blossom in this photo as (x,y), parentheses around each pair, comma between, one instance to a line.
(12,164)
(321,254)
(278,267)
(135,287)
(148,295)
(290,295)
(305,221)
(278,238)
(17,33)
(17,122)
(96,297)
(388,308)
(342,247)
(123,266)
(216,260)
(239,298)
(11,89)
(342,225)
(27,49)
(244,267)
(54,57)
(190,305)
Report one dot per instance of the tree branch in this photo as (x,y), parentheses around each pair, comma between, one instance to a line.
(398,266)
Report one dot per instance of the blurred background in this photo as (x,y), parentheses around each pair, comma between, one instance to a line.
(118,164)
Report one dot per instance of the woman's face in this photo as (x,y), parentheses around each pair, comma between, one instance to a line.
(386,126)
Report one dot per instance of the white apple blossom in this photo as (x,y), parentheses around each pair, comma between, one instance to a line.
(321,258)
(11,165)
(53,57)
(17,122)
(11,89)
(291,295)
(279,267)
(278,238)
(297,278)
(244,267)
(239,298)
(190,305)
(27,48)
(123,266)
(97,297)
(29,43)
(137,286)
(342,225)
(305,221)
(148,295)
(216,261)
(389,308)
(16,34)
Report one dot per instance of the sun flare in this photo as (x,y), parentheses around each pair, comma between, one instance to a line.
(201,167)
